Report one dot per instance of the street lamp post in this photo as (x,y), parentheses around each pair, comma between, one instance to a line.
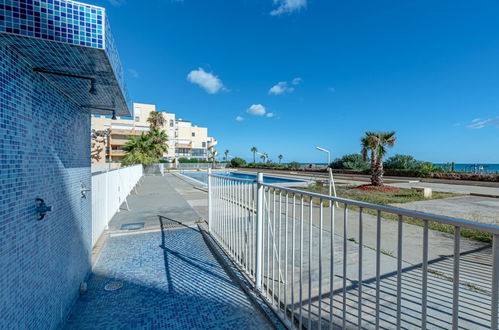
(332,187)
(328,154)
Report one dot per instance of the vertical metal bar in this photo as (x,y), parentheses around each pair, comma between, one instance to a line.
(279,252)
(321,221)
(424,298)
(399,272)
(273,245)
(231,217)
(253,227)
(301,265)
(455,289)
(210,201)
(286,254)
(361,245)
(268,240)
(331,265)
(246,227)
(378,266)
(495,282)
(240,236)
(293,223)
(259,233)
(345,250)
(310,264)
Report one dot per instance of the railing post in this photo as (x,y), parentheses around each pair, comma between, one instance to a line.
(210,210)
(495,282)
(259,233)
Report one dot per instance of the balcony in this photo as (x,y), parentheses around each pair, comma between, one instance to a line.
(184,145)
(126,132)
(118,153)
(118,142)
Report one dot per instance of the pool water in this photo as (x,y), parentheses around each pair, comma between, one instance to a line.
(203,177)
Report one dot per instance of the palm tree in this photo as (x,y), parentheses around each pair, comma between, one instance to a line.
(213,155)
(140,150)
(264,157)
(159,141)
(254,150)
(280,158)
(226,153)
(156,119)
(376,144)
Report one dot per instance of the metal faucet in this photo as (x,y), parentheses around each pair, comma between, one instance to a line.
(41,208)
(84,190)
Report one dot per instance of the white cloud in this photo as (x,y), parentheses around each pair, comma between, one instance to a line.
(256,110)
(287,6)
(116,3)
(270,114)
(332,89)
(478,123)
(281,88)
(296,81)
(134,73)
(206,80)
(239,118)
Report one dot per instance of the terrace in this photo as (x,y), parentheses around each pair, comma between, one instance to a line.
(306,261)
(123,250)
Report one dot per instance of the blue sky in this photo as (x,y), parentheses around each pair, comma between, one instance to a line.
(325,71)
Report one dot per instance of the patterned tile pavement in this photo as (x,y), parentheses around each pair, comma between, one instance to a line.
(170,281)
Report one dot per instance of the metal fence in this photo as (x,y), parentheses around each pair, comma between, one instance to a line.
(323,266)
(194,166)
(109,190)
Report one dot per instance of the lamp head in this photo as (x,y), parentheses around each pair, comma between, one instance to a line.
(92,90)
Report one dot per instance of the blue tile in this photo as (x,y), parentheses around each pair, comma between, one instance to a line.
(170,281)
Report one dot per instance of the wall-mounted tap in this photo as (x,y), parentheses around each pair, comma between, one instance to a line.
(84,190)
(41,208)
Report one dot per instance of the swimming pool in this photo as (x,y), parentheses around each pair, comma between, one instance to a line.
(203,177)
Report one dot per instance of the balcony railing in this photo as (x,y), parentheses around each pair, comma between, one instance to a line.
(320,261)
(118,152)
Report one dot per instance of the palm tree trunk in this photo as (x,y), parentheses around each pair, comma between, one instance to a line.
(254,157)
(378,173)
(373,169)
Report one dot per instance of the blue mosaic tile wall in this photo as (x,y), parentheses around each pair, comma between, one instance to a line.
(63,21)
(44,152)
(61,31)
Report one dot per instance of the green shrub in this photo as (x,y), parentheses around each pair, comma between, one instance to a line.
(403,162)
(351,162)
(294,165)
(237,162)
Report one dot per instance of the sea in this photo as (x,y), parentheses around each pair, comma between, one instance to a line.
(468,167)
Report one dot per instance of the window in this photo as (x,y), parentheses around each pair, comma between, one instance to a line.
(137,118)
(171,123)
(204,144)
(193,134)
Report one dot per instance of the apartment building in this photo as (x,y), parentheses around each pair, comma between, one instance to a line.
(185,140)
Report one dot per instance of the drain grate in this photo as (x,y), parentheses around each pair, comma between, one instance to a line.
(113,286)
(133,226)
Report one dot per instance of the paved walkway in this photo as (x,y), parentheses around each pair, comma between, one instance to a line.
(161,276)
(451,188)
(473,208)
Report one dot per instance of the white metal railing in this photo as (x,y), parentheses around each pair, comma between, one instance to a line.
(109,190)
(296,249)
(193,166)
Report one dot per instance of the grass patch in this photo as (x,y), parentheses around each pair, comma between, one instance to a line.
(392,197)
(378,197)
